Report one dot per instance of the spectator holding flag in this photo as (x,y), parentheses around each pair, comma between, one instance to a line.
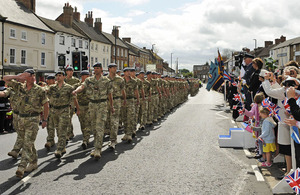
(267,136)
(257,64)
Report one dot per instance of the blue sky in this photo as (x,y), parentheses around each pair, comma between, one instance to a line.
(191,30)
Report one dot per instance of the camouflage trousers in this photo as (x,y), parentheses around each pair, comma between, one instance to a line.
(155,102)
(113,120)
(137,111)
(28,129)
(130,120)
(61,119)
(122,115)
(85,125)
(143,112)
(70,125)
(150,110)
(98,116)
(50,127)
(20,135)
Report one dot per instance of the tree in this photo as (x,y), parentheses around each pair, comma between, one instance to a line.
(182,71)
(227,53)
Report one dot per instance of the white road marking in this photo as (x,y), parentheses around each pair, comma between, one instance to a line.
(247,152)
(218,114)
(258,174)
(232,121)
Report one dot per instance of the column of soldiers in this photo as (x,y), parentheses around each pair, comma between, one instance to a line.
(103,105)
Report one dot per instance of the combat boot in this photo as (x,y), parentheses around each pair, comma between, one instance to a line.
(48,145)
(31,167)
(13,154)
(112,145)
(134,134)
(59,154)
(97,154)
(125,138)
(142,127)
(92,153)
(20,172)
(84,145)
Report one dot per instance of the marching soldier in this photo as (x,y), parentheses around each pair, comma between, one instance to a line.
(73,81)
(50,124)
(60,98)
(83,101)
(150,102)
(119,93)
(132,97)
(33,99)
(99,89)
(156,94)
(144,103)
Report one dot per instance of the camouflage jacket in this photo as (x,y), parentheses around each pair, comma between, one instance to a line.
(154,85)
(130,87)
(72,81)
(140,86)
(60,96)
(147,87)
(82,97)
(97,89)
(32,100)
(14,98)
(118,84)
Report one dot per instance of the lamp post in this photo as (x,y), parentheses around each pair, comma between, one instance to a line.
(115,28)
(171,63)
(255,41)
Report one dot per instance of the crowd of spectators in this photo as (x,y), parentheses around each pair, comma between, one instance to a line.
(267,100)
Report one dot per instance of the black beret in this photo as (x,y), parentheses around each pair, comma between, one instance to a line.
(70,68)
(30,71)
(148,72)
(136,74)
(60,72)
(97,65)
(126,69)
(50,77)
(84,72)
(112,65)
(247,55)
(132,69)
(142,72)
(122,74)
(105,73)
(118,71)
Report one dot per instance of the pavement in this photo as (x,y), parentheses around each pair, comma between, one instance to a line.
(178,155)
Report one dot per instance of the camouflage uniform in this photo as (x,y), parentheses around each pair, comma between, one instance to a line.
(71,81)
(150,104)
(97,91)
(155,99)
(143,114)
(138,106)
(50,125)
(29,117)
(118,85)
(130,113)
(84,115)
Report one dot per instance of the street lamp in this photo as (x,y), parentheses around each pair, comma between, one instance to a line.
(171,63)
(115,28)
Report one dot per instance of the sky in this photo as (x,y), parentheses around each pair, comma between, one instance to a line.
(192,30)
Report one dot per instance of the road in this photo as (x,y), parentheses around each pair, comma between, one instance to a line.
(179,155)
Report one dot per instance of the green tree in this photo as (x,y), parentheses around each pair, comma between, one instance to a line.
(182,71)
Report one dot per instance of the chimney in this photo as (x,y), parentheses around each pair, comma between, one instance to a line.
(127,39)
(76,15)
(67,17)
(144,47)
(29,4)
(268,43)
(282,39)
(98,25)
(89,19)
(115,32)
(277,41)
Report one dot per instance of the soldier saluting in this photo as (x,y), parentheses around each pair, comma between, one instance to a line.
(34,98)
(99,89)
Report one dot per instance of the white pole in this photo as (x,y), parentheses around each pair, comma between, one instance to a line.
(225,93)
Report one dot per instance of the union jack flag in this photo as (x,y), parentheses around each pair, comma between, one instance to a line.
(234,107)
(241,112)
(286,105)
(265,102)
(234,84)
(276,112)
(237,97)
(294,180)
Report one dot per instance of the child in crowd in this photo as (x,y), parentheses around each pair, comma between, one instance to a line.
(267,136)
(254,112)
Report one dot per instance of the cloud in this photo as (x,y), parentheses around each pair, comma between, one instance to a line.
(134,13)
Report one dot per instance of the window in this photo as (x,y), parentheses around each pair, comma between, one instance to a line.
(12,56)
(114,51)
(43,59)
(80,43)
(43,38)
(118,51)
(24,36)
(126,53)
(61,40)
(122,64)
(92,60)
(121,52)
(103,62)
(86,45)
(23,57)
(12,33)
(96,60)
(73,42)
(92,46)
(104,48)
(96,47)
(107,49)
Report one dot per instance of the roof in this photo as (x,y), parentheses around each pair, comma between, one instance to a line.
(90,32)
(266,51)
(111,38)
(134,48)
(59,27)
(288,42)
(17,13)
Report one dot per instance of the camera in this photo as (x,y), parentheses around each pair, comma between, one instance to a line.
(289,83)
(239,59)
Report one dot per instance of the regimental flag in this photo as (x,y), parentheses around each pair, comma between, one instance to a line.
(220,64)
(215,80)
(293,180)
(227,77)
